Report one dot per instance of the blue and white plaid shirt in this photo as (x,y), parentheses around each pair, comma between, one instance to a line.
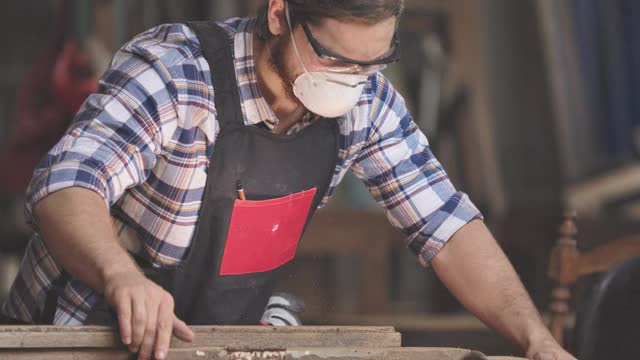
(144,141)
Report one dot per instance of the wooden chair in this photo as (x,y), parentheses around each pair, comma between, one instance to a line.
(568,264)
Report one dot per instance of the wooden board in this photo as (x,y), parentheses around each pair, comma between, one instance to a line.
(230,337)
(291,354)
(224,342)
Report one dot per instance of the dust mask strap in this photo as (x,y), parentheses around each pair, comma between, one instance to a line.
(293,41)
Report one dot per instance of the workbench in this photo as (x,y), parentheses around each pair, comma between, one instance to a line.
(225,342)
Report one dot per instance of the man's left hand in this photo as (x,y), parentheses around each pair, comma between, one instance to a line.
(548,349)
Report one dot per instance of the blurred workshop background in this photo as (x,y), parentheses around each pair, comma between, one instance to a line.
(533,107)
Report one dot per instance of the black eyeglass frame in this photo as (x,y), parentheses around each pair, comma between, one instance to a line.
(324,53)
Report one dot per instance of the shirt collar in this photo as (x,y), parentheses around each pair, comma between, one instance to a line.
(254,106)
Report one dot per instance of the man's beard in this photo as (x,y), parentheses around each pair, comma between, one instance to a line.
(276,61)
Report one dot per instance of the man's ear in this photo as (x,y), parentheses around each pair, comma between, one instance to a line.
(276,17)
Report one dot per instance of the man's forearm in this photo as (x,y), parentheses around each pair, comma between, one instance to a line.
(475,269)
(77,228)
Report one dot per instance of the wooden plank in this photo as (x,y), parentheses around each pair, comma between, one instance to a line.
(412,322)
(588,197)
(291,354)
(235,337)
(346,232)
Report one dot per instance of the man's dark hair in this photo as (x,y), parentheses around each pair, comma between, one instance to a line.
(367,11)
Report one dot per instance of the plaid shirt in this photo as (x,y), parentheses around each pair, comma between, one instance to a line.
(144,141)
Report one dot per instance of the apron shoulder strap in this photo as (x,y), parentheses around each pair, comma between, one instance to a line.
(216,48)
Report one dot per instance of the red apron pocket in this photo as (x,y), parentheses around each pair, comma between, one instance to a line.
(263,235)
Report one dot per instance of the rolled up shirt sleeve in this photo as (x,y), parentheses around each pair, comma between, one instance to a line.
(114,139)
(407,180)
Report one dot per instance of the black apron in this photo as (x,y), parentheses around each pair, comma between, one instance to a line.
(239,246)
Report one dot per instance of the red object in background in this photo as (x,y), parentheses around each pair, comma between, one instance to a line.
(264,235)
(47,101)
(73,78)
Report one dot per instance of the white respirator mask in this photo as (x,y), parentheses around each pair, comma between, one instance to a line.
(326,93)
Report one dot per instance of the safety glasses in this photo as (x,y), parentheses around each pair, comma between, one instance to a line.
(391,56)
(351,66)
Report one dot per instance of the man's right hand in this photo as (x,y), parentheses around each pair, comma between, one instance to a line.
(77,227)
(145,314)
